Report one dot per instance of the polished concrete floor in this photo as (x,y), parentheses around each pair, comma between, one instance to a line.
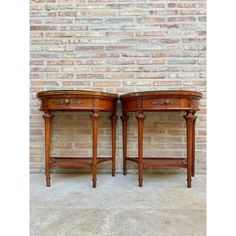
(163,207)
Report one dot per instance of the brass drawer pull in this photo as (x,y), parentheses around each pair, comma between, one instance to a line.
(164,102)
(67,102)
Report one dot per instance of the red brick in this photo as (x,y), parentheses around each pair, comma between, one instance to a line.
(60,62)
(181,19)
(181,5)
(43,28)
(42,83)
(76,83)
(67,13)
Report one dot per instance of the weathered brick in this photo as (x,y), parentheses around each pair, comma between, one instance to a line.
(166,40)
(43,27)
(60,34)
(133,13)
(181,5)
(59,49)
(192,12)
(150,20)
(44,42)
(42,1)
(120,61)
(120,6)
(86,48)
(59,21)
(150,33)
(167,83)
(43,14)
(60,62)
(107,83)
(147,61)
(150,76)
(181,19)
(76,83)
(137,83)
(69,13)
(119,34)
(88,20)
(120,76)
(59,76)
(36,35)
(118,20)
(118,47)
(101,13)
(90,76)
(35,21)
(150,5)
(164,12)
(43,83)
(73,28)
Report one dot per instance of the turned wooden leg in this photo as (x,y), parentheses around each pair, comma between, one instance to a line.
(47,122)
(95,118)
(193,148)
(190,118)
(113,118)
(124,119)
(140,117)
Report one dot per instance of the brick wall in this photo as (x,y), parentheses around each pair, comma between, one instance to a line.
(117,46)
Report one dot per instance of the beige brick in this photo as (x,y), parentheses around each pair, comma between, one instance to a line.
(107,83)
(167,83)
(60,62)
(69,13)
(76,83)
(164,12)
(43,28)
(150,20)
(181,5)
(101,13)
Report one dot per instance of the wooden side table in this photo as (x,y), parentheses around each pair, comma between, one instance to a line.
(78,100)
(151,101)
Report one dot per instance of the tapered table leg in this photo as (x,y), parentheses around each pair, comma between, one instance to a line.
(193,149)
(47,122)
(140,118)
(124,119)
(190,121)
(95,118)
(113,118)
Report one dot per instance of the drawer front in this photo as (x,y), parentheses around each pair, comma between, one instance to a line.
(67,103)
(163,103)
(70,103)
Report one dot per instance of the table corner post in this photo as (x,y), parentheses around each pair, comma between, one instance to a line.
(124,119)
(190,119)
(95,117)
(47,116)
(140,118)
(113,118)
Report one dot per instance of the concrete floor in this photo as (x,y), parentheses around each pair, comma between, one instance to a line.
(163,207)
